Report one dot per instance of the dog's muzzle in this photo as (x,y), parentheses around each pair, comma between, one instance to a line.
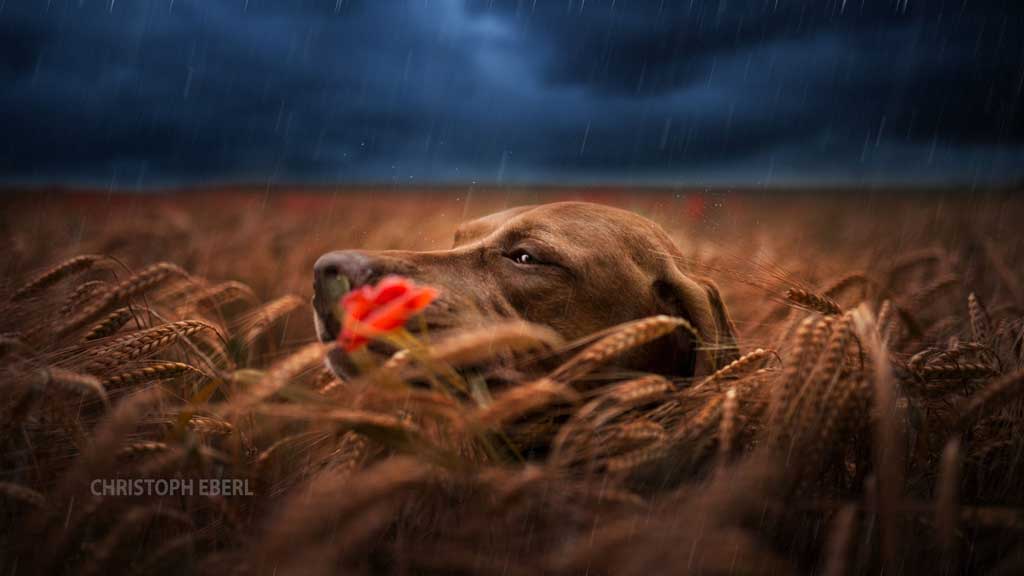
(334,275)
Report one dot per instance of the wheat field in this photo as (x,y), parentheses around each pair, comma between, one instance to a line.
(874,423)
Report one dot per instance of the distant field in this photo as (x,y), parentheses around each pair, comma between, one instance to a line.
(881,426)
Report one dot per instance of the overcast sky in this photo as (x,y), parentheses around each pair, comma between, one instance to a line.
(139,92)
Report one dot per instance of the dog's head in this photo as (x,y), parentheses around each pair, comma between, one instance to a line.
(573,266)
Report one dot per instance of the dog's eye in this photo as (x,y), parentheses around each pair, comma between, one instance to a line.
(523,257)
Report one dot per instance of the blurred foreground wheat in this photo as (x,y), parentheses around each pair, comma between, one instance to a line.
(875,422)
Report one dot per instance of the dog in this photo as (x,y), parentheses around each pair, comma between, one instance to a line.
(575,267)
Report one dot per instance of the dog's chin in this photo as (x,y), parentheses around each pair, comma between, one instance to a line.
(336,359)
(340,362)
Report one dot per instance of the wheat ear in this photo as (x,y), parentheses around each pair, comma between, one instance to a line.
(621,339)
(813,301)
(131,287)
(55,274)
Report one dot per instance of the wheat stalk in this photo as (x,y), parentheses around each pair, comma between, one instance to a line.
(635,459)
(587,422)
(955,371)
(137,449)
(137,284)
(210,426)
(54,275)
(478,345)
(82,292)
(841,535)
(845,282)
(279,376)
(947,496)
(132,522)
(223,293)
(887,450)
(739,367)
(107,326)
(23,494)
(143,343)
(815,393)
(886,321)
(809,337)
(157,371)
(727,427)
(639,391)
(981,324)
(636,432)
(269,313)
(621,339)
(845,409)
(1002,391)
(523,399)
(812,301)
(75,382)
(930,293)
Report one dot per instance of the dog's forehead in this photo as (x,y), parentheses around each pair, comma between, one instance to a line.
(573,226)
(474,230)
(585,222)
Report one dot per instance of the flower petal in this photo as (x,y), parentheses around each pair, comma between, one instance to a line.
(421,299)
(358,303)
(390,288)
(371,311)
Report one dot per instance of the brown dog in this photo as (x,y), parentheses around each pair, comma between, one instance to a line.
(574,266)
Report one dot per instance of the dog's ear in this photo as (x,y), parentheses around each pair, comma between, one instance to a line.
(698,300)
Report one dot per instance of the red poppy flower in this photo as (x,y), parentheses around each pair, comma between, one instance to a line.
(371,311)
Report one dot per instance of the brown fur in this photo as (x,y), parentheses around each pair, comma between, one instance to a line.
(597,267)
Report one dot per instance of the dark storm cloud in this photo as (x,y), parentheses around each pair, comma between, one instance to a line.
(162,91)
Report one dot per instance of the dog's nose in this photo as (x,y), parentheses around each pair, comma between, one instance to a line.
(347,266)
(334,275)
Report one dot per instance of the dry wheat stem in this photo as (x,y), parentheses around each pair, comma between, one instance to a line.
(842,284)
(886,321)
(842,414)
(470,347)
(841,536)
(981,325)
(809,334)
(588,420)
(955,371)
(55,274)
(268,314)
(887,439)
(813,397)
(156,371)
(739,367)
(999,392)
(650,388)
(107,326)
(279,376)
(637,431)
(210,426)
(136,449)
(24,494)
(947,496)
(136,285)
(635,459)
(812,301)
(623,338)
(477,345)
(221,294)
(523,399)
(82,292)
(143,343)
(72,381)
(727,427)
